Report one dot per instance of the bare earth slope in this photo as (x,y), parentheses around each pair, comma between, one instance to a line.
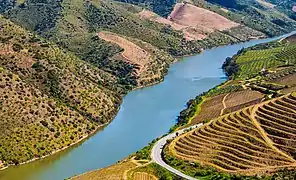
(150,63)
(198,23)
(207,21)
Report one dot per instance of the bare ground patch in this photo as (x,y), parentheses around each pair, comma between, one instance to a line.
(132,53)
(238,100)
(210,109)
(144,176)
(195,23)
(205,20)
(190,33)
(292,38)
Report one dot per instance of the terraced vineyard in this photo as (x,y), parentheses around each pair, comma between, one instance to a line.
(253,61)
(251,141)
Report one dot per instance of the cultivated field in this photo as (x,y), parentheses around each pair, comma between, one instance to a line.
(251,141)
(241,99)
(144,176)
(115,172)
(253,61)
(210,109)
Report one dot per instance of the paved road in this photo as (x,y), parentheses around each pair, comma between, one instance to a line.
(157,150)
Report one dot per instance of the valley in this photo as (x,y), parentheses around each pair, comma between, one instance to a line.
(67,68)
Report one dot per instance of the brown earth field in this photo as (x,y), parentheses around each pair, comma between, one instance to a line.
(132,53)
(210,109)
(190,33)
(256,140)
(193,16)
(149,63)
(289,80)
(241,99)
(292,38)
(195,22)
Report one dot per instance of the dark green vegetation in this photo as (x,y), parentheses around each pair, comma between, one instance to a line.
(285,7)
(144,153)
(270,21)
(162,8)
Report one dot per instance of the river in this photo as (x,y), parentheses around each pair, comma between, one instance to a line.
(144,115)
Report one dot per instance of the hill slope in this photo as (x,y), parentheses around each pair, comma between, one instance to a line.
(65,65)
(249,141)
(49,98)
(251,13)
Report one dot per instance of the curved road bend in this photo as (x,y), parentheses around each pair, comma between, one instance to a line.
(157,150)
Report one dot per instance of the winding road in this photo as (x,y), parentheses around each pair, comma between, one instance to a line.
(158,147)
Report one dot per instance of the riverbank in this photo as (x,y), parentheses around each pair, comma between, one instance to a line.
(93,132)
(144,115)
(216,91)
(60,150)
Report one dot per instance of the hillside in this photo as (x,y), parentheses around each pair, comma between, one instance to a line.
(66,65)
(251,13)
(249,126)
(249,120)
(250,141)
(73,25)
(49,98)
(201,24)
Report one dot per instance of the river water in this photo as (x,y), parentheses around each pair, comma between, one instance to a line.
(144,115)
